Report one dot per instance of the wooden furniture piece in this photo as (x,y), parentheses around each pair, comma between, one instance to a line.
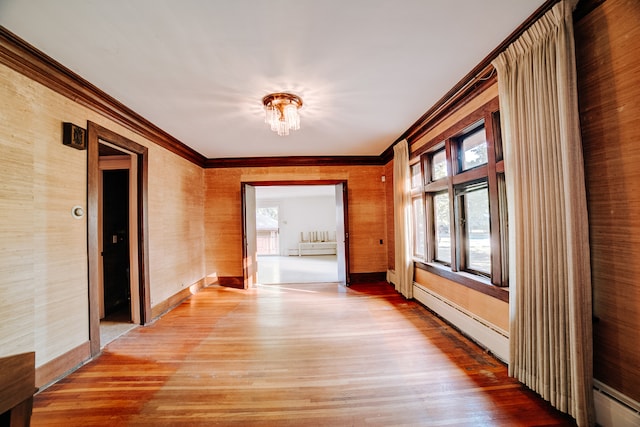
(17,387)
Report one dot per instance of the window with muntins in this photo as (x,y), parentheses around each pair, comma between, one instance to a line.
(460,210)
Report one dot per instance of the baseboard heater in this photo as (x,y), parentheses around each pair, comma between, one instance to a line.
(614,409)
(483,333)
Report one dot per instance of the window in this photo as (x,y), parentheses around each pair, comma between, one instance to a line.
(438,165)
(416,176)
(463,202)
(442,230)
(473,150)
(475,228)
(419,237)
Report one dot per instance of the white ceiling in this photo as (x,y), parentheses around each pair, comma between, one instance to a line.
(198,69)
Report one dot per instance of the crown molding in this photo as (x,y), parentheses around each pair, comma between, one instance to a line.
(474,82)
(247,162)
(29,61)
(25,59)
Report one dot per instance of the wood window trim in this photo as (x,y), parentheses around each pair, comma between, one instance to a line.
(489,107)
(465,279)
(489,114)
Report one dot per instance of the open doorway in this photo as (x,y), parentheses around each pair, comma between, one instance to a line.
(117,229)
(116,301)
(299,232)
(116,221)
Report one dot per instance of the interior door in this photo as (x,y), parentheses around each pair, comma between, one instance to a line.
(115,245)
(250,247)
(342,234)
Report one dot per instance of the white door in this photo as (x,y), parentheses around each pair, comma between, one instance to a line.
(250,250)
(342,234)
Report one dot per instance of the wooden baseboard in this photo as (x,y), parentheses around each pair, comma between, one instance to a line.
(378,276)
(236,282)
(62,365)
(166,305)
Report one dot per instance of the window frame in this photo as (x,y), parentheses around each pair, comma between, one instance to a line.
(416,238)
(450,140)
(464,248)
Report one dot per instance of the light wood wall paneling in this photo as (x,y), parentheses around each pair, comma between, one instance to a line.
(17,251)
(43,247)
(389,224)
(43,255)
(176,212)
(366,212)
(608,60)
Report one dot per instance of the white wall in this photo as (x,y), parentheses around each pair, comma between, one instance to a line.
(302,214)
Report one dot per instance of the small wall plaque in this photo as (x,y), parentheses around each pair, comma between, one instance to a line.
(74,136)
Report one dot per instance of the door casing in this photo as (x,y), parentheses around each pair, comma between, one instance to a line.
(249,262)
(96,135)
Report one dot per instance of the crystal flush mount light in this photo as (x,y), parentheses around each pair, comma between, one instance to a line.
(281,112)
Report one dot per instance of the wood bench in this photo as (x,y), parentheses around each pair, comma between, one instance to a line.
(17,387)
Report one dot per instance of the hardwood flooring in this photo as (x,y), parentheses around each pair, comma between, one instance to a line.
(294,355)
(294,269)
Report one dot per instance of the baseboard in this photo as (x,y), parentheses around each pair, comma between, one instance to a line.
(236,282)
(176,299)
(613,409)
(391,277)
(378,276)
(62,365)
(479,330)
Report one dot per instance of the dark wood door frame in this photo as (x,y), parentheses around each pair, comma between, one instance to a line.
(95,133)
(345,200)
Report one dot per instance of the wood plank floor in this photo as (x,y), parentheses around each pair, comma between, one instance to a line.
(294,355)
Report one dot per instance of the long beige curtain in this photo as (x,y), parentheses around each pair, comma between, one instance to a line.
(402,219)
(550,327)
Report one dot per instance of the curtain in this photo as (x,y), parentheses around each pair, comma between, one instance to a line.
(402,219)
(549,271)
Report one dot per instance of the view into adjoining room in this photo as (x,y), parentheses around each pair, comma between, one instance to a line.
(296,234)
(117,213)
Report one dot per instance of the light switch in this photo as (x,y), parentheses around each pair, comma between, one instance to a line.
(114,239)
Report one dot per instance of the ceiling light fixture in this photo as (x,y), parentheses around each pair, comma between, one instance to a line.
(281,112)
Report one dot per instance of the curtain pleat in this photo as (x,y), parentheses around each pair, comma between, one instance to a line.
(402,219)
(549,271)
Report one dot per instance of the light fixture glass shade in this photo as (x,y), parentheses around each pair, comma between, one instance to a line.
(281,112)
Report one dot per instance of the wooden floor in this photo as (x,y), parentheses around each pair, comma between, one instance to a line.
(294,355)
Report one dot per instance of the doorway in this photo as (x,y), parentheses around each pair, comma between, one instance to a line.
(116,301)
(117,229)
(308,219)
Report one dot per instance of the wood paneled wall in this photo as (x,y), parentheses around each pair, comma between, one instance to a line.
(367,213)
(391,240)
(43,261)
(608,62)
(43,249)
(176,224)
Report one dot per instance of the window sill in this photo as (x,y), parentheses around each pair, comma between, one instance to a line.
(477,283)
